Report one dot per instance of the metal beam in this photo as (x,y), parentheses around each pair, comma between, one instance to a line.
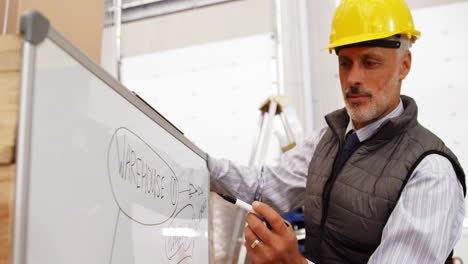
(140,9)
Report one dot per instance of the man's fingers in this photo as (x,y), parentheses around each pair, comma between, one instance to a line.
(259,229)
(249,235)
(276,222)
(259,252)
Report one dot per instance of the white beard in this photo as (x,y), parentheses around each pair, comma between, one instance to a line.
(379,102)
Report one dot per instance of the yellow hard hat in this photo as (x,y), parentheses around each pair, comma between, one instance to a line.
(358,21)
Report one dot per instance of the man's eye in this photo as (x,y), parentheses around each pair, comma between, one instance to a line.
(370,63)
(344,64)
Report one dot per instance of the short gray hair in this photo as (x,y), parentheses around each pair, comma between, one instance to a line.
(405,43)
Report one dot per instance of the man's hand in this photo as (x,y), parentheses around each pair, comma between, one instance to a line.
(278,245)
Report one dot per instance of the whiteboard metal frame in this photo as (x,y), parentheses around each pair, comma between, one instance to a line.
(36,28)
(23,155)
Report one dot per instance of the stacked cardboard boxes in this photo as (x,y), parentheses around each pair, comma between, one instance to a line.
(10,70)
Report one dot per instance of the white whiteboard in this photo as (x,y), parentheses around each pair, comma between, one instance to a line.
(104,182)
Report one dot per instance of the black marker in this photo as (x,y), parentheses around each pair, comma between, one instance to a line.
(238,203)
(243,205)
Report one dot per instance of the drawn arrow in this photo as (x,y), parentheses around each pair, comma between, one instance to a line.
(191,190)
(200,191)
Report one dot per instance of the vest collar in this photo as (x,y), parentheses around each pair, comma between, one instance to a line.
(367,131)
(339,119)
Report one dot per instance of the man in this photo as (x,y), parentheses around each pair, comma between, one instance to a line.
(376,186)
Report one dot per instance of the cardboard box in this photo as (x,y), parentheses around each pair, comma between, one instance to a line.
(10,71)
(80,21)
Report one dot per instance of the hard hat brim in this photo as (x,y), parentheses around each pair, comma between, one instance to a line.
(411,34)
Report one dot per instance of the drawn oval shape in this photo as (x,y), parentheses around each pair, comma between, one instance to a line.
(144,185)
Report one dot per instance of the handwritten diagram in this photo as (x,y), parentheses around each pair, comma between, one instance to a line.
(153,191)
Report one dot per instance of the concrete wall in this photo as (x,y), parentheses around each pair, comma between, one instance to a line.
(193,27)
(325,85)
(413,4)
(197,26)
(438,81)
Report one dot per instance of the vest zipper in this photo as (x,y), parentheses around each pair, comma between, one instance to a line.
(331,182)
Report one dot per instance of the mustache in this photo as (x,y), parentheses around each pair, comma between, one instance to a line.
(357,89)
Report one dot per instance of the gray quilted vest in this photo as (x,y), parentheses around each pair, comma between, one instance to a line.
(344,224)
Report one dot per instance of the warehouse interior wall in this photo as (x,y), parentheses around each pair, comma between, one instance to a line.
(230,20)
(304,28)
(437,80)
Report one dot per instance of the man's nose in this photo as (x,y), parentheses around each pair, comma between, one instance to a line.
(355,75)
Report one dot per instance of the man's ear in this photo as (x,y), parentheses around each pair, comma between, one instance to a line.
(405,65)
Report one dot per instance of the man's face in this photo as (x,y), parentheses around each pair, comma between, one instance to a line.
(371,80)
